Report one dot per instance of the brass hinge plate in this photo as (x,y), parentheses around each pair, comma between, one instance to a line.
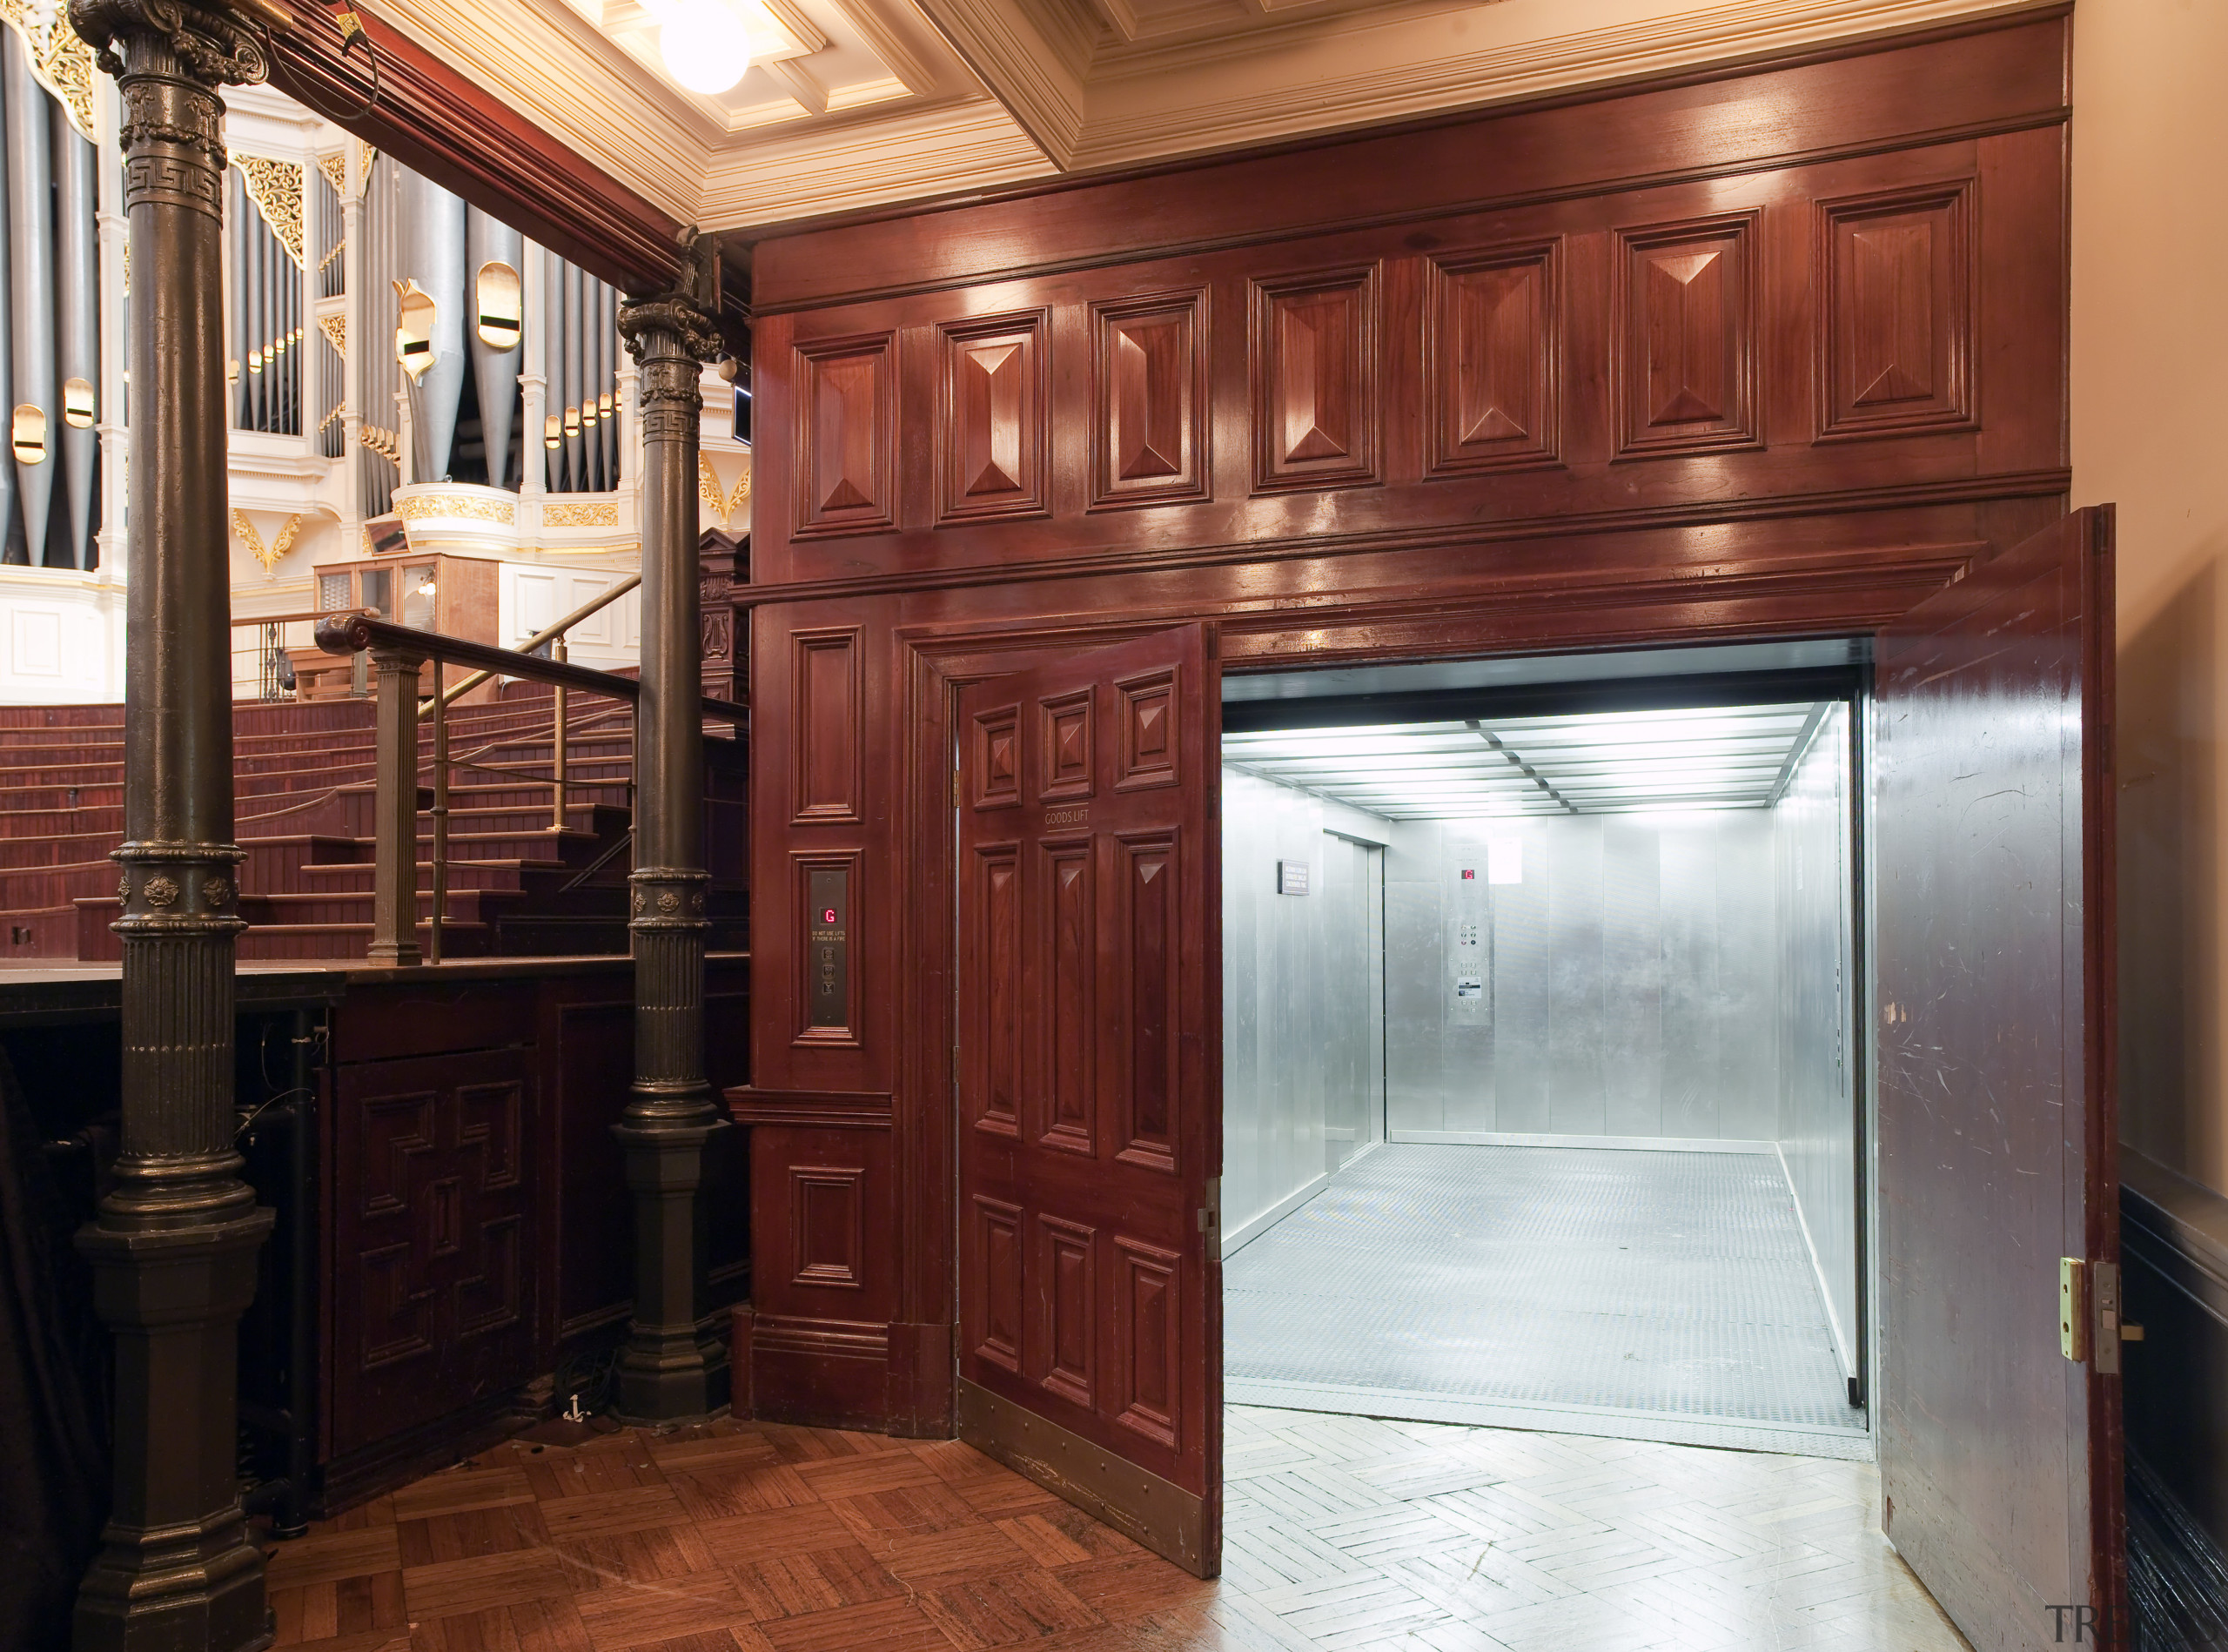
(2072,1308)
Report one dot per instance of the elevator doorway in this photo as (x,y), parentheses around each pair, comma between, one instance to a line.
(1606,1177)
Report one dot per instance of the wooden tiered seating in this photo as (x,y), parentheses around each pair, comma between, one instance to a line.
(304,784)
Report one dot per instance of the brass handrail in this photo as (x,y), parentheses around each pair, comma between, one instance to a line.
(402,651)
(550,632)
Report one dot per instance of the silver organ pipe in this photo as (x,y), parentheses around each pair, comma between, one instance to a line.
(7,465)
(78,324)
(575,443)
(414,231)
(495,371)
(30,280)
(432,224)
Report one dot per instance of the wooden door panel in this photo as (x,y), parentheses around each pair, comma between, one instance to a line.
(1088,1012)
(2000,1456)
(432,1223)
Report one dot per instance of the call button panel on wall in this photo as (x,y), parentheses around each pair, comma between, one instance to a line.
(827,891)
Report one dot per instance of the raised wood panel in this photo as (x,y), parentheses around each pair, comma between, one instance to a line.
(993,943)
(1315,373)
(1148,1341)
(1896,314)
(997,767)
(1064,1308)
(1151,743)
(1149,400)
(846,479)
(1684,338)
(827,1206)
(992,413)
(1493,354)
(828,690)
(1151,913)
(820,1221)
(434,1227)
(1069,892)
(1066,726)
(996,1241)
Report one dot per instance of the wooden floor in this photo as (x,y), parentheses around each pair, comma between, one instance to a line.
(1345,1532)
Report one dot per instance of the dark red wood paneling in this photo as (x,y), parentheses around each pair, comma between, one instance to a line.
(434,1238)
(1514,501)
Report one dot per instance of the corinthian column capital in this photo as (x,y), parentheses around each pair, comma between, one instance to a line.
(212,45)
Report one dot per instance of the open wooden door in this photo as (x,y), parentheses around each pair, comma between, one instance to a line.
(1999,1423)
(1090,1015)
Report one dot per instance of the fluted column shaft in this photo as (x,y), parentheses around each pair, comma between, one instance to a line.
(173,1248)
(673,1364)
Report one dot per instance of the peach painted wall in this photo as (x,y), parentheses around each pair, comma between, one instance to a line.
(2150,377)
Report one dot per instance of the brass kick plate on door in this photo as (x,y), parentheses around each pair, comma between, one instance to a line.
(2072,1305)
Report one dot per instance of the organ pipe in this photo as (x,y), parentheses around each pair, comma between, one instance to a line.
(495,372)
(576,449)
(78,331)
(8,467)
(30,280)
(433,224)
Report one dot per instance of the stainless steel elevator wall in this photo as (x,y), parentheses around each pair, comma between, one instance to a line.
(1303,997)
(1817,1110)
(1624,984)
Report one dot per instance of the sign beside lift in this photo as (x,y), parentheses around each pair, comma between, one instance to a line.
(1291,877)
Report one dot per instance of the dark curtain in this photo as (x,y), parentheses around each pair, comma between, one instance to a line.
(54,1476)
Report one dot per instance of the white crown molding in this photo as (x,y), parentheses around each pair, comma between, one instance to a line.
(1069,96)
(908,156)
(1357,72)
(1037,76)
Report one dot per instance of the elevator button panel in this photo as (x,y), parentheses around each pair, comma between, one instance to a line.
(827,888)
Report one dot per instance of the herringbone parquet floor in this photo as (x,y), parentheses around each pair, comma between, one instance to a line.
(1343,1533)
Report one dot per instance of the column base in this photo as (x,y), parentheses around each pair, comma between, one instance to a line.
(674,1367)
(176,1568)
(678,1377)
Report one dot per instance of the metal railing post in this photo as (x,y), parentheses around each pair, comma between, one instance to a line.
(559,766)
(440,819)
(394,887)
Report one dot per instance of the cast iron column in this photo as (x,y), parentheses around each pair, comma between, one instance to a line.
(173,1249)
(672,1365)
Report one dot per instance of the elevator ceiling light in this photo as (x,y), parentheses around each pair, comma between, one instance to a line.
(28,432)
(704,44)
(501,309)
(1592,763)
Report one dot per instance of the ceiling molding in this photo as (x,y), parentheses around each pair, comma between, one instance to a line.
(1034,74)
(974,144)
(435,120)
(885,101)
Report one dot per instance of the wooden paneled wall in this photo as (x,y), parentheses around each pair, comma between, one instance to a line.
(477,1224)
(1767,352)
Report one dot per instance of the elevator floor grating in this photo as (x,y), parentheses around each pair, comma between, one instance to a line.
(1643,1295)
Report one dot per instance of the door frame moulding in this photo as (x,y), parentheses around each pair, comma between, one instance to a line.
(932,662)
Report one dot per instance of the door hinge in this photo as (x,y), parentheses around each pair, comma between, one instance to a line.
(1211,1213)
(2090,1325)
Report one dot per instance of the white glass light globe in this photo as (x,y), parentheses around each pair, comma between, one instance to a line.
(704,44)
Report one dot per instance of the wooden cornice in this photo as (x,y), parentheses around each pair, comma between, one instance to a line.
(435,122)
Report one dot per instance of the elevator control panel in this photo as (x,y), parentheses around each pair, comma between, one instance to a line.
(1465,934)
(827,889)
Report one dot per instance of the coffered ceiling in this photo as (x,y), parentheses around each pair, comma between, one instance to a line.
(855,103)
